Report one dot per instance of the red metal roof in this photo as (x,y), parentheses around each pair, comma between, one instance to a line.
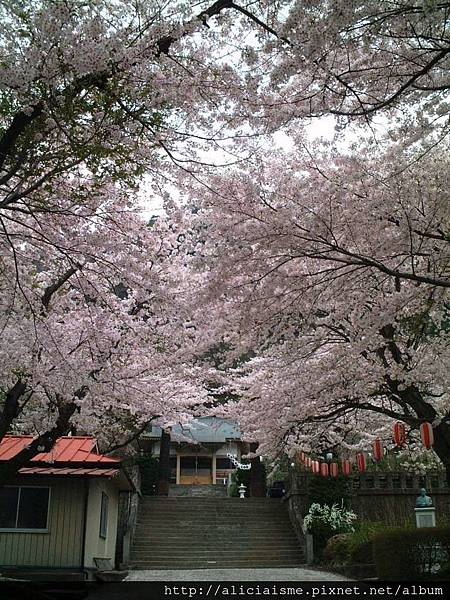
(67,471)
(69,449)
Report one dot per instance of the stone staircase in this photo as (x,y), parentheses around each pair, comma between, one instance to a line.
(198,491)
(209,532)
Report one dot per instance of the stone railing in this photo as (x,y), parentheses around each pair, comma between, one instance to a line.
(382,496)
(377,480)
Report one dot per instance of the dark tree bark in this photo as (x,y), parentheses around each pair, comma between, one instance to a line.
(442,446)
(257,476)
(164,465)
(43,443)
(11,406)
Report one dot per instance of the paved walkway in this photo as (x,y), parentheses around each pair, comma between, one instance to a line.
(295,574)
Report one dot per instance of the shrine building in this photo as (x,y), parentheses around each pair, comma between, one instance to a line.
(199,450)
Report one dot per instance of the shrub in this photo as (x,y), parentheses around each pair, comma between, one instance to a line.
(329,490)
(237,477)
(325,521)
(354,547)
(361,540)
(408,554)
(336,550)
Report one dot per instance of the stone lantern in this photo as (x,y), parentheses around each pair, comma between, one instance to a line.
(241,489)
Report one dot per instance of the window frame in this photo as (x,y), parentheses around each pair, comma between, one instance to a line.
(29,529)
(104,510)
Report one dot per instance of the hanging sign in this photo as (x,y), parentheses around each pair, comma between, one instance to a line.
(237,464)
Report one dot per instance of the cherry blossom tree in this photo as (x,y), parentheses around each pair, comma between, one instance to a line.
(96,95)
(93,96)
(328,265)
(93,337)
(334,275)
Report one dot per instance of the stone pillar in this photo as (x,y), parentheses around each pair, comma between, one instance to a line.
(257,478)
(164,465)
(178,468)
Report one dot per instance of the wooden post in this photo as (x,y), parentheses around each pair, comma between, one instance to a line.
(164,465)
(257,479)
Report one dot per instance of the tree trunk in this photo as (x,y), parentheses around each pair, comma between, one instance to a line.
(43,443)
(257,478)
(11,406)
(442,446)
(164,465)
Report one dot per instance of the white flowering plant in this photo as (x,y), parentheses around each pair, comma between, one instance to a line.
(323,518)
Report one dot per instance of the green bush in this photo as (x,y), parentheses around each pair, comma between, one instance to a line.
(412,554)
(237,477)
(360,542)
(329,490)
(336,551)
(354,547)
(326,521)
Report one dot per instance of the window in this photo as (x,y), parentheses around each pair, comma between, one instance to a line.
(104,516)
(24,507)
(223,463)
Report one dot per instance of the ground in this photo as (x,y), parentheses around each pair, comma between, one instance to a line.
(296,574)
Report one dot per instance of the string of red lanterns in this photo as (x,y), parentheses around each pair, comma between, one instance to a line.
(399,435)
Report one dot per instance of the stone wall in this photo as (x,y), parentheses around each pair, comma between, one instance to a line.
(377,496)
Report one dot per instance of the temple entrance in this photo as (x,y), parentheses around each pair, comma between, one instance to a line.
(196,470)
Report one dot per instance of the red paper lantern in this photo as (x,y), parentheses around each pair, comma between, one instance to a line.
(362,462)
(308,462)
(346,467)
(378,450)
(399,434)
(324,471)
(302,457)
(334,470)
(315,466)
(426,433)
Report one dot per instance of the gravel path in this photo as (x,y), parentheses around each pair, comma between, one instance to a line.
(296,574)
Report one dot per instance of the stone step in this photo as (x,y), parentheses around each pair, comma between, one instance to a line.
(216,519)
(197,491)
(230,552)
(216,551)
(213,514)
(233,537)
(179,501)
(210,532)
(211,564)
(212,527)
(174,551)
(217,543)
